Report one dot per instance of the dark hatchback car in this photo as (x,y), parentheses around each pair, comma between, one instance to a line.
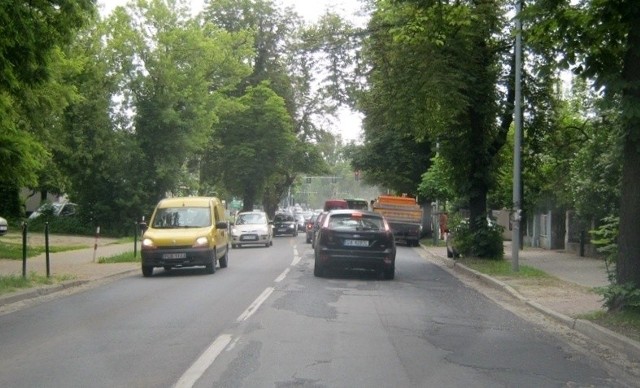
(285,223)
(351,239)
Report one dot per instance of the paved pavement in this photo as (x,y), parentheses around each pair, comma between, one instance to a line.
(564,301)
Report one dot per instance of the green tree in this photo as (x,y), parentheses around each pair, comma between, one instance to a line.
(33,34)
(599,38)
(257,141)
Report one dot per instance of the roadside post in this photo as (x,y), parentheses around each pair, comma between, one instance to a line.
(136,230)
(24,249)
(46,247)
(95,246)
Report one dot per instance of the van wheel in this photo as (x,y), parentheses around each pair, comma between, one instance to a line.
(225,259)
(211,267)
(147,271)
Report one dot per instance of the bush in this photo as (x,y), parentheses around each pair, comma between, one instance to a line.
(485,242)
(616,296)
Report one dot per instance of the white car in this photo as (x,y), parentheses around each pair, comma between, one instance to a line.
(4,226)
(251,228)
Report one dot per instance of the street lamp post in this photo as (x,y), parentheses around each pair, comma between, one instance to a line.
(517,143)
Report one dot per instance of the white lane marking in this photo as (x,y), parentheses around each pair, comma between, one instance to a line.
(254,306)
(197,369)
(296,259)
(282,276)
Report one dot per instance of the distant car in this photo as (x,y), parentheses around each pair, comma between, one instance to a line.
(308,227)
(285,223)
(4,226)
(316,227)
(355,239)
(56,209)
(300,220)
(251,228)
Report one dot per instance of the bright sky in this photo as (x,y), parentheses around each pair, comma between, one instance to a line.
(348,123)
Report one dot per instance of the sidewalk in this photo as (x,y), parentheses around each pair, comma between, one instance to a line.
(78,264)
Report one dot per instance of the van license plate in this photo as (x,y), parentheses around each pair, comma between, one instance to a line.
(171,256)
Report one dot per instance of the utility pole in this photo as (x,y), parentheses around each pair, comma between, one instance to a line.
(517,144)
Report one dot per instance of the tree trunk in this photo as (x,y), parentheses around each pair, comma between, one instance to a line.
(628,264)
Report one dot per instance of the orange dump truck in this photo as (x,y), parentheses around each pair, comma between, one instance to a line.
(404,216)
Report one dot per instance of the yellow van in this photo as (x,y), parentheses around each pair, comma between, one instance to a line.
(186,232)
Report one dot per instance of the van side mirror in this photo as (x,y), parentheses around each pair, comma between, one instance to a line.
(222,225)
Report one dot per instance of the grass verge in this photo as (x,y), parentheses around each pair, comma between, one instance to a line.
(11,283)
(126,257)
(12,251)
(502,268)
(624,322)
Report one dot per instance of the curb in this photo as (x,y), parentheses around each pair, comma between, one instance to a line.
(588,328)
(20,296)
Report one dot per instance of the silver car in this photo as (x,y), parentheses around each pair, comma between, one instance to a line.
(251,228)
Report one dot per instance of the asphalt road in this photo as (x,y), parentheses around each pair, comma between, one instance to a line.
(266,321)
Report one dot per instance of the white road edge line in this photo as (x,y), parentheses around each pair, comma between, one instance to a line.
(197,369)
(254,306)
(282,275)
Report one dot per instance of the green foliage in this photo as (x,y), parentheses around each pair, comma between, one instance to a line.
(62,225)
(435,183)
(616,296)
(483,241)
(619,297)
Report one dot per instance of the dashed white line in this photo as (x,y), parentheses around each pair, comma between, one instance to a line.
(282,276)
(254,306)
(197,369)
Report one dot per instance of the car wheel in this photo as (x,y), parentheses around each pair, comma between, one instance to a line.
(211,267)
(224,261)
(147,271)
(390,273)
(318,270)
(168,268)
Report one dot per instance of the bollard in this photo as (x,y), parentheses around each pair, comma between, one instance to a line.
(46,247)
(95,246)
(135,239)
(24,249)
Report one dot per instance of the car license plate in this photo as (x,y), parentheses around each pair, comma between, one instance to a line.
(249,237)
(3,227)
(356,243)
(282,230)
(171,256)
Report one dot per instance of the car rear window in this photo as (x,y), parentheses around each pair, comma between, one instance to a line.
(283,217)
(355,222)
